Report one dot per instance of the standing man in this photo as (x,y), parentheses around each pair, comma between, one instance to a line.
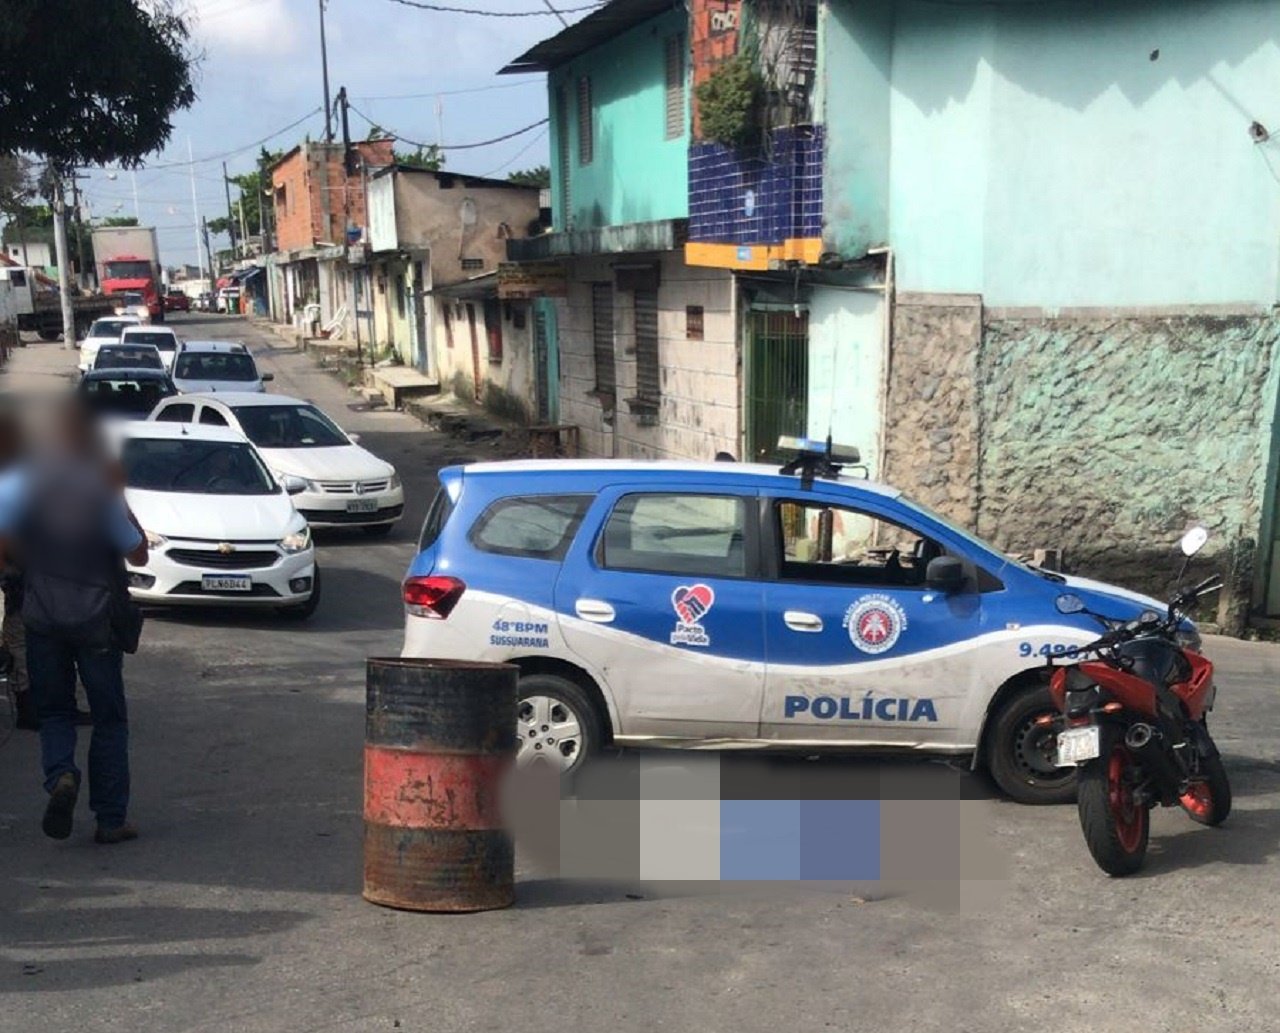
(12,638)
(64,514)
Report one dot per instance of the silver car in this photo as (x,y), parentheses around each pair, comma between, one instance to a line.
(205,366)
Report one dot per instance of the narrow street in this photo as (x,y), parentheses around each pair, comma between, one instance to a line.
(239,908)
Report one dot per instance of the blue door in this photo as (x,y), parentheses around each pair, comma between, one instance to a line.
(859,650)
(663,603)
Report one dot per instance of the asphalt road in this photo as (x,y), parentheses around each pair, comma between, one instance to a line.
(239,909)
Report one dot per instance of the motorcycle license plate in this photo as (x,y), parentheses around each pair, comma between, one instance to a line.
(1076,745)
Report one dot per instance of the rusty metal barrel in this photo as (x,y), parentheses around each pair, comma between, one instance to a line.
(439,737)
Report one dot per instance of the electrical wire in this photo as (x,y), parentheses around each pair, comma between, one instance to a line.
(455,93)
(226,154)
(451,146)
(497,14)
(517,156)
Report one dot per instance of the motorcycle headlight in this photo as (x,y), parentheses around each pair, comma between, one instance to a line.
(394,483)
(154,541)
(299,541)
(1189,638)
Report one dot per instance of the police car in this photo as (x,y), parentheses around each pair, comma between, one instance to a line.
(734,605)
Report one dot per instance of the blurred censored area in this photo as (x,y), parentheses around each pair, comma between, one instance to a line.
(873,828)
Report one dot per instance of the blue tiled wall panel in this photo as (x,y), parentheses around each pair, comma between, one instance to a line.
(757,200)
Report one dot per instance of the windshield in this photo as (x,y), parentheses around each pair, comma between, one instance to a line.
(113,356)
(130,270)
(973,540)
(195,467)
(108,327)
(128,396)
(165,342)
(131,298)
(288,426)
(215,366)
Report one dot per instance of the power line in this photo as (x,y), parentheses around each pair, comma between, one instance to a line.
(450,146)
(497,14)
(517,156)
(226,154)
(455,93)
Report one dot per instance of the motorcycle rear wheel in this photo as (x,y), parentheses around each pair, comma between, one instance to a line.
(1209,801)
(1116,827)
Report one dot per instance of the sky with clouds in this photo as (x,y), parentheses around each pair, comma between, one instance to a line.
(415,72)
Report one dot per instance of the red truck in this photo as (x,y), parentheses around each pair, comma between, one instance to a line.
(128,261)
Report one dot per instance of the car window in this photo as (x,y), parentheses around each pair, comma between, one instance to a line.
(677,534)
(288,426)
(215,366)
(180,412)
(437,516)
(539,526)
(108,327)
(195,467)
(126,396)
(211,416)
(163,341)
(842,545)
(117,357)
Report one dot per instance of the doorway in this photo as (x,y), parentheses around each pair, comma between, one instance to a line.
(777,381)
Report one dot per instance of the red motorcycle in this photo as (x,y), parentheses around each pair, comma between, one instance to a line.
(1133,721)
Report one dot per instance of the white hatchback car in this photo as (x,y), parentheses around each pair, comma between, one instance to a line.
(216,366)
(346,485)
(165,340)
(221,530)
(103,331)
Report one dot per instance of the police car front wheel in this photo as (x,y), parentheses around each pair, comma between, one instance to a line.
(556,723)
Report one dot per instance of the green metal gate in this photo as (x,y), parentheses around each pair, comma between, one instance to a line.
(777,388)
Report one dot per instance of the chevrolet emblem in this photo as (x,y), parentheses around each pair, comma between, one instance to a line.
(226,548)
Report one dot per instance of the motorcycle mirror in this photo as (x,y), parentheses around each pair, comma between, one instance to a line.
(1193,541)
(1069,603)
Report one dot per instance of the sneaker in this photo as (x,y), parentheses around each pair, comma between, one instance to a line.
(119,834)
(60,812)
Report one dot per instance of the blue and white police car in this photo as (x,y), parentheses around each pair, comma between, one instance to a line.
(724,605)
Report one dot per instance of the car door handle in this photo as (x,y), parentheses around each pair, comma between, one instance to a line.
(798,620)
(594,610)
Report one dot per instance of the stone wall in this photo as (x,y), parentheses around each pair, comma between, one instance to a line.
(1103,435)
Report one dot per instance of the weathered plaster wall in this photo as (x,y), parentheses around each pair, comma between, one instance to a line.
(846,369)
(1104,435)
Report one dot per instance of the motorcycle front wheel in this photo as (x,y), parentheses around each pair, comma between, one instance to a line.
(1116,826)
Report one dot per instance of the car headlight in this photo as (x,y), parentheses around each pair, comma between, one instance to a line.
(299,541)
(154,541)
(394,483)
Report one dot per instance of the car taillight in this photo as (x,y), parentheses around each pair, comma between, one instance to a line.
(433,597)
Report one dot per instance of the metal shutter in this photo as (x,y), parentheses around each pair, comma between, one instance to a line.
(562,156)
(586,141)
(648,374)
(602,337)
(675,87)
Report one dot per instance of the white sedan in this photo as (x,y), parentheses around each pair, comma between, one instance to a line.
(103,331)
(220,528)
(345,485)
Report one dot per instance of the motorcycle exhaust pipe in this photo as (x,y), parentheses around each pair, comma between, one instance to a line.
(1145,743)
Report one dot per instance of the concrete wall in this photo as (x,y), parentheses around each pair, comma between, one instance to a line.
(506,387)
(699,407)
(636,173)
(1052,154)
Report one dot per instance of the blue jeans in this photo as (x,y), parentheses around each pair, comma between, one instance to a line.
(52,665)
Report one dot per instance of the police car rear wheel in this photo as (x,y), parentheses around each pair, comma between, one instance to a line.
(556,723)
(1020,754)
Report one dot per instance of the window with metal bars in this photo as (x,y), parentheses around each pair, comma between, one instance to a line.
(602,339)
(648,373)
(562,155)
(586,121)
(675,99)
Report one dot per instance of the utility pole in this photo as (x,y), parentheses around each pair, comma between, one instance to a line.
(324,69)
(244,226)
(195,212)
(64,262)
(204,229)
(231,220)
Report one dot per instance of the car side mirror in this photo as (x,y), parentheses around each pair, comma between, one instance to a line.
(293,485)
(267,377)
(944,574)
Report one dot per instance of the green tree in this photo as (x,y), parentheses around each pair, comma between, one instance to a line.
(431,158)
(119,220)
(538,176)
(17,189)
(92,83)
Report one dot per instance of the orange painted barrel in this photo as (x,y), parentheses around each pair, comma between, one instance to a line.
(439,737)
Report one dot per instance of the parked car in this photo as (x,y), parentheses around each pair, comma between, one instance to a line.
(102,331)
(688,603)
(133,303)
(124,394)
(125,355)
(219,527)
(346,485)
(177,301)
(164,339)
(205,366)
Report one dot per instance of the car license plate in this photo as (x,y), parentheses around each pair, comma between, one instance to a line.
(1076,745)
(362,506)
(226,583)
